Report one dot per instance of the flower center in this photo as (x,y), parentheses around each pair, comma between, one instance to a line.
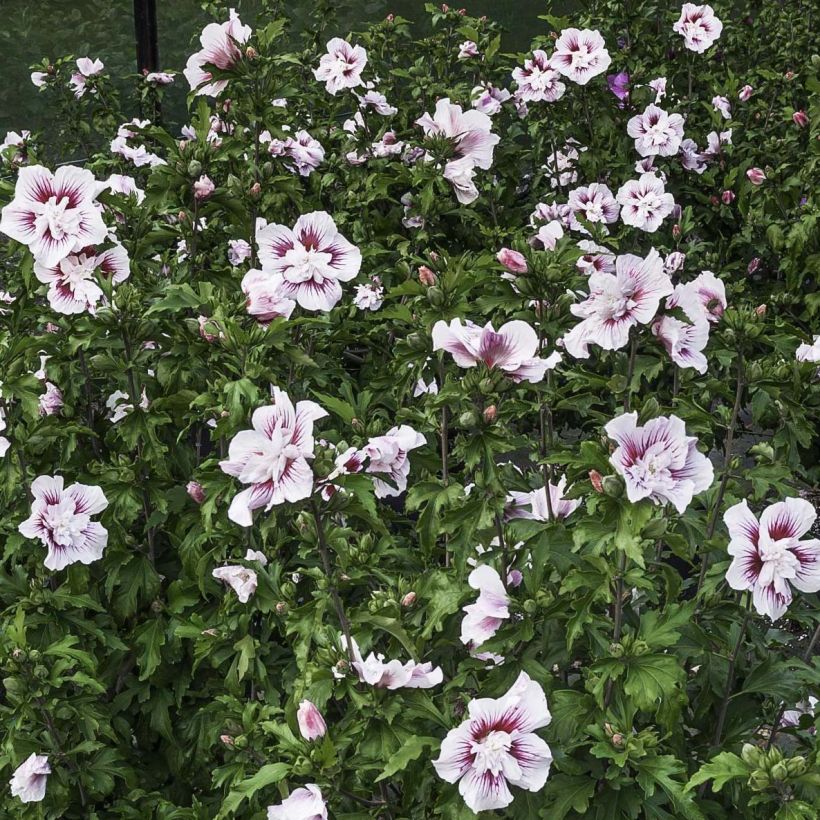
(58,218)
(491,751)
(778,560)
(65,525)
(306,264)
(582,58)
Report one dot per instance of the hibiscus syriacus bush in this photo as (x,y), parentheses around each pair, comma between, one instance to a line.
(416,428)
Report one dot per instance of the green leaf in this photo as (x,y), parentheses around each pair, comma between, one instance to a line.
(651,677)
(407,753)
(567,794)
(151,637)
(267,776)
(721,769)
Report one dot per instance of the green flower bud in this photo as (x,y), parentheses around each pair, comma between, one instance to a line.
(750,754)
(530,606)
(435,296)
(759,780)
(779,771)
(613,486)
(194,168)
(469,418)
(796,766)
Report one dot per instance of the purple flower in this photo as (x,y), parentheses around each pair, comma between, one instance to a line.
(619,85)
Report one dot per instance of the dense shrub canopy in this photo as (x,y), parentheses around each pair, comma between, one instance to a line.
(419,414)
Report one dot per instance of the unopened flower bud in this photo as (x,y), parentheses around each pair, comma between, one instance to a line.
(281,608)
(613,486)
(800,119)
(789,75)
(796,766)
(727,197)
(194,168)
(426,276)
(597,481)
(256,190)
(676,231)
(183,144)
(311,723)
(251,53)
(227,740)
(617,740)
(194,489)
(490,414)
(409,599)
(759,780)
(756,176)
(779,771)
(750,754)
(512,260)
(760,311)
(714,201)
(753,265)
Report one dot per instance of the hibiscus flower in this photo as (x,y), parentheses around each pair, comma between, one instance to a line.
(617,302)
(768,556)
(220,47)
(580,55)
(29,779)
(511,349)
(240,579)
(659,461)
(538,80)
(656,132)
(273,457)
(698,26)
(497,747)
(644,203)
(309,261)
(61,519)
(72,282)
(342,66)
(533,505)
(54,214)
(594,202)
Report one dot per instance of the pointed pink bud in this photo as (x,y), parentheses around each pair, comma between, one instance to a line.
(756,175)
(800,119)
(311,723)
(196,492)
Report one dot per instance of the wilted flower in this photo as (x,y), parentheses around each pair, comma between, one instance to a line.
(467,50)
(644,203)
(512,348)
(659,461)
(393,674)
(533,505)
(310,261)
(51,401)
(342,66)
(656,132)
(805,352)
(617,302)
(378,102)
(580,55)
(86,68)
(29,779)
(618,84)
(61,519)
(220,47)
(54,214)
(538,80)
(306,153)
(698,26)
(388,454)
(240,579)
(273,456)
(311,723)
(238,251)
(303,804)
(722,105)
(369,296)
(497,746)
(768,556)
(745,93)
(488,99)
(483,618)
(159,78)
(203,187)
(195,491)
(658,85)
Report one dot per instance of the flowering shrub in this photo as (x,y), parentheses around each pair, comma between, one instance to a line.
(424,430)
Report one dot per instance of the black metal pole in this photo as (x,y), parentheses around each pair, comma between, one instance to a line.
(145,29)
